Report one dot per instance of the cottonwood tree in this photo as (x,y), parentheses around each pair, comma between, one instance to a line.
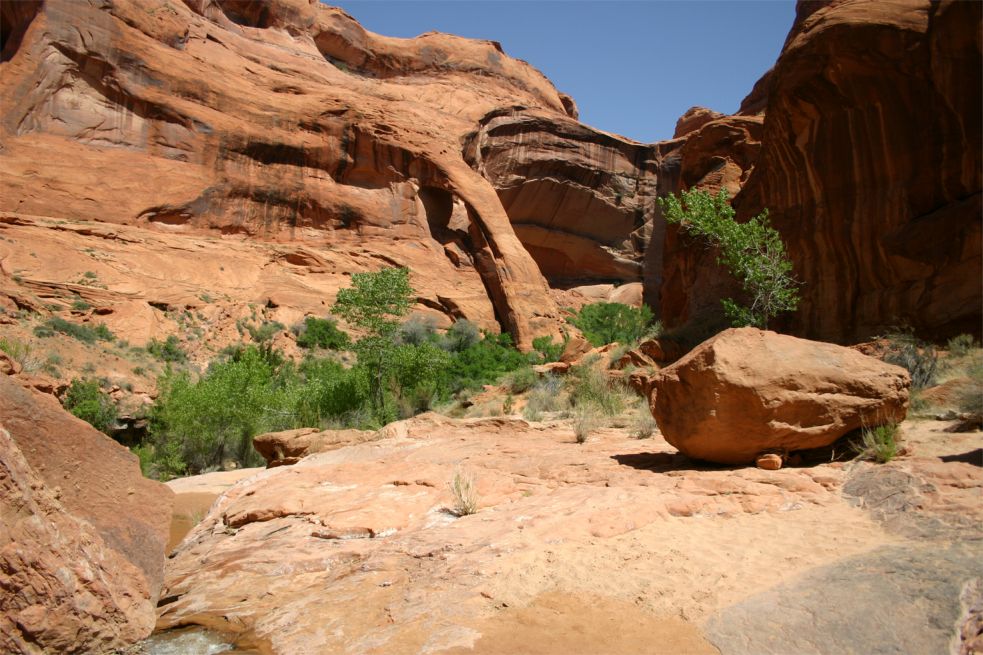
(752,251)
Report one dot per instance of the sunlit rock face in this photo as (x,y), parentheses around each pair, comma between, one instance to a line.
(280,120)
(870,166)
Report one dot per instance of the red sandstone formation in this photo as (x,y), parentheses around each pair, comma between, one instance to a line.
(870,165)
(279,121)
(83,533)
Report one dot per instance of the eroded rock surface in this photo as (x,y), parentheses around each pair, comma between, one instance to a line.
(356,550)
(748,391)
(283,555)
(82,545)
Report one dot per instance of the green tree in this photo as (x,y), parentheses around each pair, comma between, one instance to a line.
(753,252)
(86,400)
(609,322)
(375,302)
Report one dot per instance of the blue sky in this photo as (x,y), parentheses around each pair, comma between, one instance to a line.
(633,67)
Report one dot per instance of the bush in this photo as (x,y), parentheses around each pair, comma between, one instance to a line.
(18,350)
(878,443)
(584,423)
(418,330)
(546,396)
(961,345)
(482,363)
(168,350)
(644,425)
(548,351)
(86,400)
(753,252)
(522,380)
(461,335)
(331,393)
(921,359)
(322,333)
(589,386)
(84,333)
(611,322)
(265,332)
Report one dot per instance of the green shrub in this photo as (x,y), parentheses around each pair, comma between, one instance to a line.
(878,443)
(168,350)
(86,400)
(264,332)
(482,363)
(611,322)
(752,251)
(322,333)
(522,379)
(214,419)
(970,397)
(18,350)
(331,393)
(80,305)
(547,349)
(84,333)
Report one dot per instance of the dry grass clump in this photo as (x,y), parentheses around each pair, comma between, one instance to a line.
(546,396)
(584,422)
(644,425)
(464,488)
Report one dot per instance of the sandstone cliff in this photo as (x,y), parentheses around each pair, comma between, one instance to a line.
(278,121)
(870,164)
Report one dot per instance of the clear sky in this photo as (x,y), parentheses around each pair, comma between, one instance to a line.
(632,67)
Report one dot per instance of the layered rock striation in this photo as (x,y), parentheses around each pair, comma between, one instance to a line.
(275,121)
(870,165)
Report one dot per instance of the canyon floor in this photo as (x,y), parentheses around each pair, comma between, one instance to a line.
(617,545)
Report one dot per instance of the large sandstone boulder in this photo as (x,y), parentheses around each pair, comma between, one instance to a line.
(82,532)
(746,391)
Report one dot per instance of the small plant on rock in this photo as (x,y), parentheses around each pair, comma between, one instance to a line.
(465,491)
(168,350)
(584,422)
(878,443)
(644,425)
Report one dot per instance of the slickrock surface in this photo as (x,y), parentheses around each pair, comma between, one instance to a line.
(748,391)
(356,550)
(82,544)
(871,167)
